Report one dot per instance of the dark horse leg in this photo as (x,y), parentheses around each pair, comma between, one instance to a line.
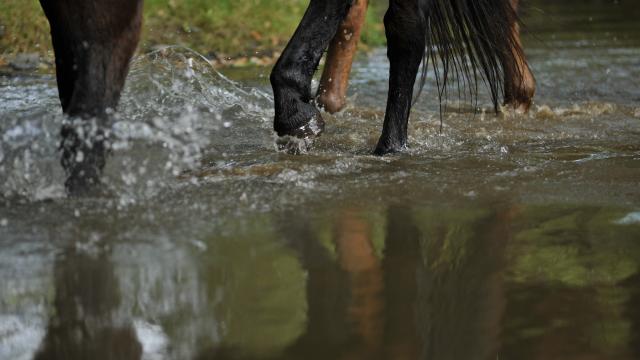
(292,74)
(519,85)
(519,82)
(405,27)
(332,92)
(470,37)
(93,41)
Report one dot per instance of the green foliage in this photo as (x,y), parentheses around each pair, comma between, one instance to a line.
(262,285)
(575,247)
(210,27)
(23,27)
(222,26)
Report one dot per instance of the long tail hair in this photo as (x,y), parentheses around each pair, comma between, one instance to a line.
(470,39)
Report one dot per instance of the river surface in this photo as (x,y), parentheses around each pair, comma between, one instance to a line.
(497,237)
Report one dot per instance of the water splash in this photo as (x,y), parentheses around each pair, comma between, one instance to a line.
(174,104)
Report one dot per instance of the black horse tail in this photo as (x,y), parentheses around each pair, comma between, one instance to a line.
(470,38)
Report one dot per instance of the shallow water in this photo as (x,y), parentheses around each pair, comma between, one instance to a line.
(508,237)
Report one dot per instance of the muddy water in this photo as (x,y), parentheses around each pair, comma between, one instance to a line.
(508,237)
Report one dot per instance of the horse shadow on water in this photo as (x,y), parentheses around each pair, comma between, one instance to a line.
(94,40)
(362,302)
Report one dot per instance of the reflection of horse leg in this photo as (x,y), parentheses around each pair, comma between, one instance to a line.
(332,93)
(405,27)
(86,324)
(292,74)
(520,85)
(357,257)
(93,42)
(402,259)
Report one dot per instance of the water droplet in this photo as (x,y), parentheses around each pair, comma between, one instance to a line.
(79,157)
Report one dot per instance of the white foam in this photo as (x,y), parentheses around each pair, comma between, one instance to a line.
(153,339)
(20,337)
(631,218)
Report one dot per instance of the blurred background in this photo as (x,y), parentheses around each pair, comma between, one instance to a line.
(227,28)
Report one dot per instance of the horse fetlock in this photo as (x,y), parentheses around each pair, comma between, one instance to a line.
(332,101)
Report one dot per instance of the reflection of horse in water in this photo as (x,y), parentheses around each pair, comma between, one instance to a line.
(94,40)
(393,291)
(369,291)
(85,324)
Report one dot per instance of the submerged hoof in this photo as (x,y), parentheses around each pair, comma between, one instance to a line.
(294,145)
(518,106)
(300,140)
(83,158)
(83,181)
(388,147)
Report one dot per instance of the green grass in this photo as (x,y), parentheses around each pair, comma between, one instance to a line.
(228,27)
(23,27)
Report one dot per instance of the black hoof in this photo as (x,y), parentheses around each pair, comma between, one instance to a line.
(386,147)
(300,120)
(299,140)
(83,182)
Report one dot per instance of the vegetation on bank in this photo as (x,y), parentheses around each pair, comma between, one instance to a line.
(211,27)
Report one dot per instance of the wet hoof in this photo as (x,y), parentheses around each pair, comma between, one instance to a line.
(520,97)
(300,140)
(386,147)
(293,145)
(84,182)
(518,106)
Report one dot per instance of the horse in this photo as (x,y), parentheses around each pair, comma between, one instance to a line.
(94,41)
(467,37)
(332,91)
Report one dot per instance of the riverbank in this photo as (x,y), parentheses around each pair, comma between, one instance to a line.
(225,31)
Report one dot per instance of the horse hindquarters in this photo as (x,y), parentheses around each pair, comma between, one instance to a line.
(93,41)
(292,74)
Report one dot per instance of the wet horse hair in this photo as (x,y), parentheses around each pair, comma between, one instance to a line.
(465,40)
(468,36)
(518,83)
(462,39)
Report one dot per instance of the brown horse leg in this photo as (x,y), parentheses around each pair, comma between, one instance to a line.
(520,85)
(332,93)
(93,41)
